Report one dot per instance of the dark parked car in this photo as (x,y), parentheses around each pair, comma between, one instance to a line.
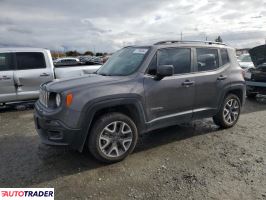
(256,77)
(139,89)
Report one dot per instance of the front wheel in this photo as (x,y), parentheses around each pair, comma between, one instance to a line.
(113,137)
(229,112)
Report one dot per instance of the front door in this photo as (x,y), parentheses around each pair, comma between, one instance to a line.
(32,71)
(170,100)
(7,87)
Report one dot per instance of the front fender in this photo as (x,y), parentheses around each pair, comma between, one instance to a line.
(92,108)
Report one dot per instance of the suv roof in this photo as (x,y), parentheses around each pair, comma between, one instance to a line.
(185,43)
(175,43)
(188,42)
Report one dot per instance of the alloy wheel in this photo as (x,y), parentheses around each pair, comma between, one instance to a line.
(115,139)
(231,111)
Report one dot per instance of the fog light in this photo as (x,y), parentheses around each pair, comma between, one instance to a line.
(55,135)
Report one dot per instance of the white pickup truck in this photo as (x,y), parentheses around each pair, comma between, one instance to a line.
(23,70)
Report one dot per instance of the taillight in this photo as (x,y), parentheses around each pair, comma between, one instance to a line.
(243,73)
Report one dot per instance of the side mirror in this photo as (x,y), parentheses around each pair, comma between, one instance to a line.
(164,70)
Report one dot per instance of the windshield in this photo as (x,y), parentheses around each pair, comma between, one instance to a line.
(245,58)
(124,62)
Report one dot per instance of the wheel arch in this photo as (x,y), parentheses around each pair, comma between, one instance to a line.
(131,107)
(238,92)
(238,89)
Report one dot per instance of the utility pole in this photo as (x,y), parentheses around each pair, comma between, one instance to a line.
(181,36)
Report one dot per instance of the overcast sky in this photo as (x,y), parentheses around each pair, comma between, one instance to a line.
(106,25)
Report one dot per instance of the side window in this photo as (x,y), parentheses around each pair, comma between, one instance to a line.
(6,62)
(207,59)
(224,56)
(153,66)
(180,58)
(30,60)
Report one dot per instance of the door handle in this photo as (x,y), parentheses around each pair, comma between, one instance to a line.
(44,74)
(188,83)
(222,77)
(18,85)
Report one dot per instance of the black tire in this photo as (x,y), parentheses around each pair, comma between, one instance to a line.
(251,95)
(99,127)
(219,118)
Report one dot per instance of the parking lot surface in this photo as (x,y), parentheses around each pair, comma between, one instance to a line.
(190,161)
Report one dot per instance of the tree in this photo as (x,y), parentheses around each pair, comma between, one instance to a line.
(57,54)
(99,54)
(88,53)
(219,39)
(72,53)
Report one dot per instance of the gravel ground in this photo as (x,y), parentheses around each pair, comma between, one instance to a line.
(190,161)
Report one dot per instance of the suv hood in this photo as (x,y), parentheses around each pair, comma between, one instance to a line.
(84,81)
(258,55)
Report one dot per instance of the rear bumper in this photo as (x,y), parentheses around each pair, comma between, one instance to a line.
(55,133)
(256,84)
(256,87)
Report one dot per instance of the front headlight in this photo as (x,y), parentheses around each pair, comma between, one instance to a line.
(58,100)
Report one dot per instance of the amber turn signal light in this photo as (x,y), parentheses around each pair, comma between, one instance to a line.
(69,99)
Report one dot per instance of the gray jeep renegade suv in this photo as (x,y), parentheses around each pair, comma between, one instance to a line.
(139,89)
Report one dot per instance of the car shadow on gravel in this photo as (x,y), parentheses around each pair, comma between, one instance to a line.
(175,133)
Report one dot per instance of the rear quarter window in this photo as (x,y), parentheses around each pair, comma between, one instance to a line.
(30,60)
(207,59)
(224,56)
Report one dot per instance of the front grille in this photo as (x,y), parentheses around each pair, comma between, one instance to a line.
(44,97)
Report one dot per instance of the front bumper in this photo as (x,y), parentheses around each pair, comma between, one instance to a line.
(56,133)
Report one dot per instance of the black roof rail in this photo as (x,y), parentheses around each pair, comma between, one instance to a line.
(188,41)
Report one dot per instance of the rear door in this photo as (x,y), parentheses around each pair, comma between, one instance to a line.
(211,79)
(31,71)
(7,87)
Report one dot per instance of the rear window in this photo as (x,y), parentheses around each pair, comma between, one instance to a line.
(30,60)
(224,56)
(5,62)
(207,59)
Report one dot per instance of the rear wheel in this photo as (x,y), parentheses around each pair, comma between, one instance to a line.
(229,112)
(113,137)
